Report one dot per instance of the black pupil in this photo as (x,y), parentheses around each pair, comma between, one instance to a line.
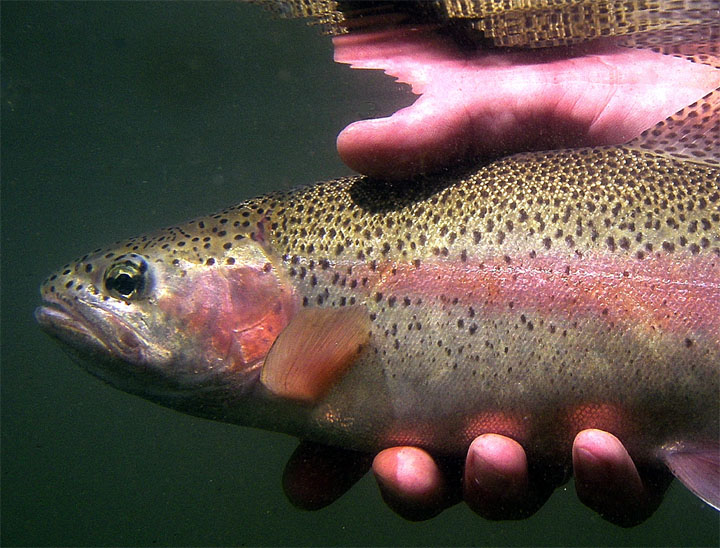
(124,284)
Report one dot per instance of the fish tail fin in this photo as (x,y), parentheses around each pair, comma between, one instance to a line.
(692,133)
(698,468)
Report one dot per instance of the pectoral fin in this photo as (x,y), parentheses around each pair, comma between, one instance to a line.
(314,351)
(698,468)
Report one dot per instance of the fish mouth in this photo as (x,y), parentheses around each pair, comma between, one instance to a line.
(63,323)
(91,330)
(109,348)
(99,341)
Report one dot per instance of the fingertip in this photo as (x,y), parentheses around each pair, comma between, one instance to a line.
(410,482)
(600,460)
(399,146)
(370,147)
(600,444)
(496,476)
(608,482)
(409,472)
(498,455)
(316,475)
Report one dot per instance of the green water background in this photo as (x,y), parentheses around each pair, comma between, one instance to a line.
(119,117)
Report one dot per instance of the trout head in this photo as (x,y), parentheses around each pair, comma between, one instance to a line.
(180,324)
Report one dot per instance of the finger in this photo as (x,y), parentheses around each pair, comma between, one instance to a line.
(411,483)
(607,480)
(317,475)
(497,483)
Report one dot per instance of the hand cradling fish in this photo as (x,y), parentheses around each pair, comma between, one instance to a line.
(532,295)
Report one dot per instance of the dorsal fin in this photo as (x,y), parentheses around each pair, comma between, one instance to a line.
(692,133)
(698,42)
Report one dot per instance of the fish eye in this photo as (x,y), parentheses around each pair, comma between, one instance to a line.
(127,278)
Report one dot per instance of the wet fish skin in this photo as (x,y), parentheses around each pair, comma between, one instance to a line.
(542,294)
(568,248)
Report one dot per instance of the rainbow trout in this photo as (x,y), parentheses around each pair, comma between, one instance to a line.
(539,295)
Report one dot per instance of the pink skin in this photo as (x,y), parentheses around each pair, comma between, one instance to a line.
(482,105)
(491,103)
(660,291)
(497,484)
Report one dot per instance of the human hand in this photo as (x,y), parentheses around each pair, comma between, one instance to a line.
(497,482)
(482,103)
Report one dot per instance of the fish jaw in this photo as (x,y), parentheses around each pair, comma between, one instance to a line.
(75,326)
(108,346)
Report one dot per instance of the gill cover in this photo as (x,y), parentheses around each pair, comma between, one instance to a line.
(235,310)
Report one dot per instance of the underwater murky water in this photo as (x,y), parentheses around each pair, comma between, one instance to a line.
(121,117)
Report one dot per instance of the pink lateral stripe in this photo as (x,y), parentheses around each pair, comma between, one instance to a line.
(666,292)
